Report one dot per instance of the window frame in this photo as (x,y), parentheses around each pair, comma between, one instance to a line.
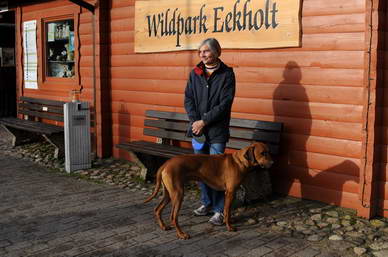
(47,81)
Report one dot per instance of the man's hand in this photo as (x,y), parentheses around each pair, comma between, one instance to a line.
(197,127)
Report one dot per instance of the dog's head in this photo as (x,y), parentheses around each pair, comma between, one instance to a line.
(257,154)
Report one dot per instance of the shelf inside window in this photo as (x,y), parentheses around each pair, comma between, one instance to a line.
(60,61)
(60,50)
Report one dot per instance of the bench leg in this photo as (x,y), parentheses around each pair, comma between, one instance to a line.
(152,163)
(148,164)
(58,141)
(256,186)
(20,137)
(143,169)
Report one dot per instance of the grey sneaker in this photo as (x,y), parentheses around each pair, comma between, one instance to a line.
(217,219)
(202,211)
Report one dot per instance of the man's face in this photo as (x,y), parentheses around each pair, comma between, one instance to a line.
(206,56)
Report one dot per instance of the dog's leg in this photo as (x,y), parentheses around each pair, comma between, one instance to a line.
(171,216)
(175,190)
(158,210)
(227,208)
(176,205)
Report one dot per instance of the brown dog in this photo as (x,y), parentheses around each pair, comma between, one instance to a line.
(223,172)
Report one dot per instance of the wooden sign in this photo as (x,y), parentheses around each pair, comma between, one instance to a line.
(165,25)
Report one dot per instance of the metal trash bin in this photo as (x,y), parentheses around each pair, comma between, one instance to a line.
(77,136)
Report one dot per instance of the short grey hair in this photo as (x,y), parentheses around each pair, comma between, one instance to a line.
(213,45)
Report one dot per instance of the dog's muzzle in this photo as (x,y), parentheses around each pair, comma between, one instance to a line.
(267,166)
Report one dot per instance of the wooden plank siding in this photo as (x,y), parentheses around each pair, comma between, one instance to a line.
(316,90)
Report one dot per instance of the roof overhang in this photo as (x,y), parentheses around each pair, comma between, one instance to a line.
(8,4)
(3,6)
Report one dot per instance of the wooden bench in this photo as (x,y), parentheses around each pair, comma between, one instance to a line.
(170,127)
(31,127)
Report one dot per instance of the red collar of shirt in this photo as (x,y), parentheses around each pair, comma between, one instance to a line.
(199,69)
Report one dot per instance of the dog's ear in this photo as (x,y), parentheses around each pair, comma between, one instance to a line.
(250,155)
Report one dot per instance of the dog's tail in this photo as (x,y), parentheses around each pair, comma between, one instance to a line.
(157,184)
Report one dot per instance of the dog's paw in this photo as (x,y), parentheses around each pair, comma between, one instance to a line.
(183,235)
(165,228)
(231,229)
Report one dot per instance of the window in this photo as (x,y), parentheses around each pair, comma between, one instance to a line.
(60,61)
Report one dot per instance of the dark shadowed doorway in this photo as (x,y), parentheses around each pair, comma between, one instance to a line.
(7,64)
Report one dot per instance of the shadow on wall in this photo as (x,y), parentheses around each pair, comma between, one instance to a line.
(124,123)
(292,107)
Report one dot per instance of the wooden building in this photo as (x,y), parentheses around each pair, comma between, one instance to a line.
(330,92)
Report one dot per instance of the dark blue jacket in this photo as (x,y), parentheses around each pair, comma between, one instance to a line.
(211,100)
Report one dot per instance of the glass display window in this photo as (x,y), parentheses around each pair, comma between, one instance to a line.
(60,60)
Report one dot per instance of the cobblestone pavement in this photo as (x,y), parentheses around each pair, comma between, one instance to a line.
(44,212)
(49,214)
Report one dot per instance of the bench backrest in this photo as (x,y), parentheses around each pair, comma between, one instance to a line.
(41,108)
(172,125)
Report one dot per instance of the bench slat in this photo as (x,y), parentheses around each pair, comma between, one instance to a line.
(42,101)
(42,115)
(155,149)
(31,126)
(162,147)
(256,124)
(167,115)
(166,134)
(180,126)
(12,120)
(146,151)
(233,143)
(50,109)
(167,151)
(234,122)
(238,144)
(258,135)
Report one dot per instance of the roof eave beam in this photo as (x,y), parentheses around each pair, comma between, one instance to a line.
(84,4)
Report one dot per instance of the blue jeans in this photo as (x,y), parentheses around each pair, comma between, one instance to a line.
(209,196)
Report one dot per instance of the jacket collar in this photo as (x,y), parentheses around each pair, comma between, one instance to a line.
(200,68)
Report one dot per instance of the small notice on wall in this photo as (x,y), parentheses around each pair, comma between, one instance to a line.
(30,60)
(164,25)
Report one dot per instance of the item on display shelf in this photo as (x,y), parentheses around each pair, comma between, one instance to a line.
(69,73)
(71,41)
(51,28)
(70,56)
(58,31)
(63,55)
(51,54)
(60,45)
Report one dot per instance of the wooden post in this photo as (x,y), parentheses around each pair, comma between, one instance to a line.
(102,89)
(367,192)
